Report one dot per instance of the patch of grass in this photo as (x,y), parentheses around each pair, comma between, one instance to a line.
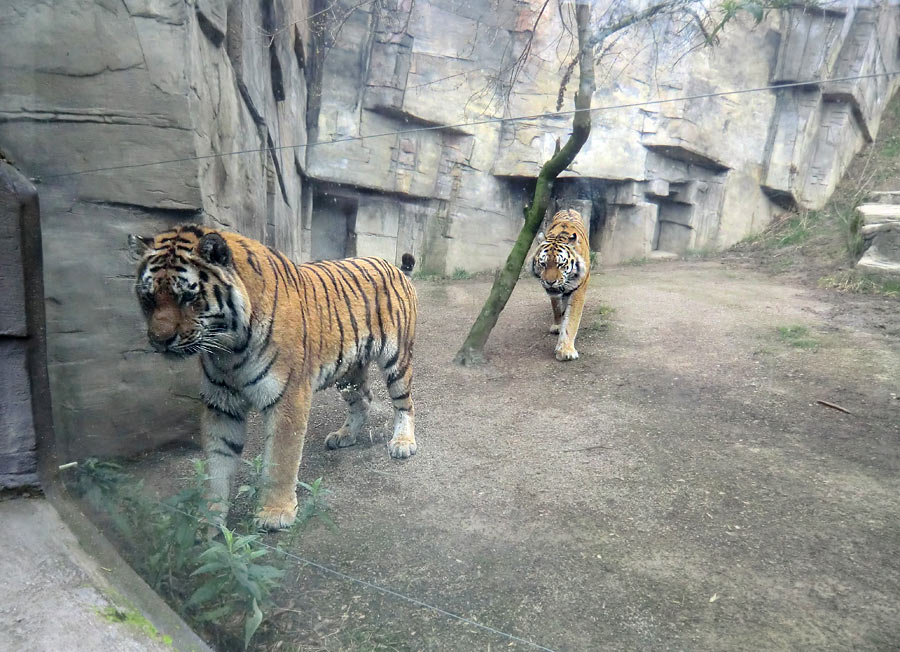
(637,260)
(427,276)
(797,228)
(600,318)
(853,281)
(798,336)
(702,252)
(459,274)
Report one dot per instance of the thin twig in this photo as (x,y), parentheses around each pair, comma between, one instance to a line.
(585,448)
(834,407)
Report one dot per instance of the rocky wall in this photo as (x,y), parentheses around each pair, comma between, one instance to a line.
(679,175)
(111,84)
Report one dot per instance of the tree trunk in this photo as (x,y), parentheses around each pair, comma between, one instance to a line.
(472,350)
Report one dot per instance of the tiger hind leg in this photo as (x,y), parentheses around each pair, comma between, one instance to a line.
(354,387)
(398,378)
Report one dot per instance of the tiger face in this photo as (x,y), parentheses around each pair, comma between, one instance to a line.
(190,294)
(558,265)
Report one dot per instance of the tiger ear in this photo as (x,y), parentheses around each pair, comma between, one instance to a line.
(138,245)
(541,237)
(573,237)
(214,249)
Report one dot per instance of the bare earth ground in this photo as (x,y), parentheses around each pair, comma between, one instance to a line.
(676,488)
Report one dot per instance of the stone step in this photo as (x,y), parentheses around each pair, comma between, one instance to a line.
(883,253)
(879,213)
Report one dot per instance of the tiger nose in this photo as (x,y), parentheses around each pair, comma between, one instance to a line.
(160,342)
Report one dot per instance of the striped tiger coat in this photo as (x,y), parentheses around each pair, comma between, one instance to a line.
(269,333)
(562,263)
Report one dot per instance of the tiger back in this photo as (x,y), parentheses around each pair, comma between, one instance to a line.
(269,333)
(562,263)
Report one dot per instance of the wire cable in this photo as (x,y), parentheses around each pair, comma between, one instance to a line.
(465,125)
(379,588)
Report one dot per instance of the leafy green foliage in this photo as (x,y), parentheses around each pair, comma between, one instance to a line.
(234,581)
(459,274)
(221,581)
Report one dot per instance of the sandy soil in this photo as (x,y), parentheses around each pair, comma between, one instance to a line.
(678,487)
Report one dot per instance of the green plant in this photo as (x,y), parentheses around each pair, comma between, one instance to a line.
(97,480)
(234,582)
(853,222)
(459,274)
(255,482)
(314,506)
(218,581)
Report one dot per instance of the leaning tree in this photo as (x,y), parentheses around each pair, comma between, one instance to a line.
(708,17)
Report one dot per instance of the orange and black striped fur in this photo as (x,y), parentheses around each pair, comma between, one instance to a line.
(269,333)
(562,262)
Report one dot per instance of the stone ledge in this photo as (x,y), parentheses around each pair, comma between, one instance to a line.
(879,213)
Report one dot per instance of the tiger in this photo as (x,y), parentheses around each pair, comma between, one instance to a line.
(562,263)
(268,334)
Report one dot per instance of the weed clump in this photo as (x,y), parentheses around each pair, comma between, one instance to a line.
(225,581)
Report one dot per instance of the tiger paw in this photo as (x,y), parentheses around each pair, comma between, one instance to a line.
(564,353)
(554,328)
(402,447)
(340,438)
(276,517)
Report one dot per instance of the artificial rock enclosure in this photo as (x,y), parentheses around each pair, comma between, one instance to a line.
(305,91)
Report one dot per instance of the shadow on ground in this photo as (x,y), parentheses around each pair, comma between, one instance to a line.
(677,487)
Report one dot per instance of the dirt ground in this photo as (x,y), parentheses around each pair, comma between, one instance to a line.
(678,487)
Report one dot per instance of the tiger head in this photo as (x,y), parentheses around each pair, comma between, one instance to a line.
(190,292)
(558,264)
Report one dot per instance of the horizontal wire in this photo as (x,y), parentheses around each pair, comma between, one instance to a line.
(464,125)
(377,587)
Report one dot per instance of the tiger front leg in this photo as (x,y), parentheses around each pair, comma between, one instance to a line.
(224,429)
(565,345)
(285,430)
(559,309)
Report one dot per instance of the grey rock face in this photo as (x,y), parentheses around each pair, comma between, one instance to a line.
(90,85)
(699,173)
